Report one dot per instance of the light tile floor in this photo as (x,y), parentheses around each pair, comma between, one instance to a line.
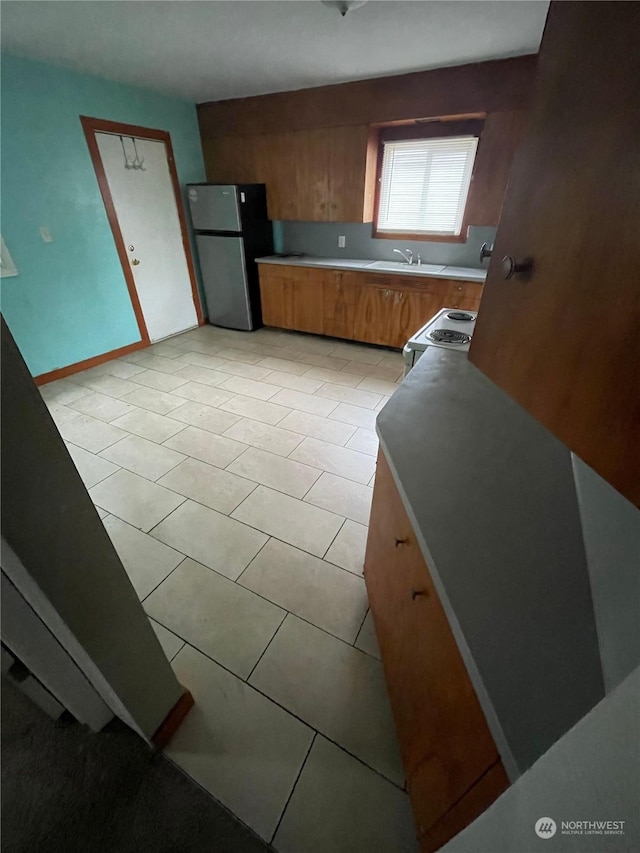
(233,472)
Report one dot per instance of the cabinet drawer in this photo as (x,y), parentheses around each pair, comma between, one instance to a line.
(274,271)
(464,295)
(313,275)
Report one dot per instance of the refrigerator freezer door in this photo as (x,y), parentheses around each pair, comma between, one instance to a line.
(214,208)
(224,279)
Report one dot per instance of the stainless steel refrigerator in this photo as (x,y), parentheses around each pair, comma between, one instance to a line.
(232,230)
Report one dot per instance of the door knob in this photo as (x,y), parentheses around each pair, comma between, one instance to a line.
(485,251)
(400,542)
(135,262)
(511,267)
(415,593)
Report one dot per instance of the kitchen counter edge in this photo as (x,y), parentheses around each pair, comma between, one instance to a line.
(474,540)
(471,275)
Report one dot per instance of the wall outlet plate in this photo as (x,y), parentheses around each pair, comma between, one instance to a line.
(342,242)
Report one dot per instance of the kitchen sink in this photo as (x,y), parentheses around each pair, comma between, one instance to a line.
(402,266)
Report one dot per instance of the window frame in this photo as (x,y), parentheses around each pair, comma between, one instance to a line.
(437,129)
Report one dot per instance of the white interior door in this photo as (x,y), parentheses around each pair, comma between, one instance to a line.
(147,213)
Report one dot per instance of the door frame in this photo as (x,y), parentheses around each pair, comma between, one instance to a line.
(91,126)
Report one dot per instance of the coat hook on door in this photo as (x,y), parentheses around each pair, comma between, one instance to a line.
(137,163)
(127,164)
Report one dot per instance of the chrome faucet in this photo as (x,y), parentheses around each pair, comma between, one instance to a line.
(407,255)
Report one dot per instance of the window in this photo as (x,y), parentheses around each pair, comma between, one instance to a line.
(424,184)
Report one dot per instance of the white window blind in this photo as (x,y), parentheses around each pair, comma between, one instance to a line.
(425,183)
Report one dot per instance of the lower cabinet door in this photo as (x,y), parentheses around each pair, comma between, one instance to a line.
(376,309)
(274,297)
(338,305)
(373,315)
(441,728)
(304,308)
(421,308)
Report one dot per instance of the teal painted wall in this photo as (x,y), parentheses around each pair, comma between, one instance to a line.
(69,300)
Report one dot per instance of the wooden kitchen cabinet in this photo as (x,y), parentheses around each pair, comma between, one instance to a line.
(353,152)
(291,301)
(372,318)
(265,159)
(562,336)
(327,178)
(235,159)
(389,315)
(338,304)
(464,295)
(275,289)
(485,791)
(319,175)
(306,307)
(444,739)
(369,307)
(406,305)
(309,170)
(273,155)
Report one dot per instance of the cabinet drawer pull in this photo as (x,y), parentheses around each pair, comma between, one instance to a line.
(417,592)
(400,542)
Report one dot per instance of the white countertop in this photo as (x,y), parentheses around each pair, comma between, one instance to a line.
(492,500)
(456,273)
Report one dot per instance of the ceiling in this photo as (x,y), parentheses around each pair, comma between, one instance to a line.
(205,51)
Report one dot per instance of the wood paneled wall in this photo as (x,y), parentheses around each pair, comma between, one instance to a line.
(480,87)
(315,149)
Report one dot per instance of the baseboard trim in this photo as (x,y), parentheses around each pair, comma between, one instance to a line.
(70,369)
(172,721)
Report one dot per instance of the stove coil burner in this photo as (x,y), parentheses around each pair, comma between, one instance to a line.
(460,315)
(448,336)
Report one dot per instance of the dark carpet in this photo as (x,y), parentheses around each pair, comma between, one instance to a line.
(67,790)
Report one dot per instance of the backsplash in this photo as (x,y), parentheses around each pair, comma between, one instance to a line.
(321,239)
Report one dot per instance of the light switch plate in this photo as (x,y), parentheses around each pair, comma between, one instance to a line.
(7,267)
